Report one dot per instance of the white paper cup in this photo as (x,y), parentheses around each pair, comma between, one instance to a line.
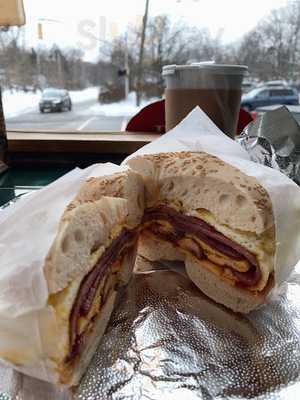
(216,88)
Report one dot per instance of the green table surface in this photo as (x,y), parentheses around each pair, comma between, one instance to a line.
(19,180)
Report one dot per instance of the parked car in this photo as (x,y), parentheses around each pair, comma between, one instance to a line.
(276,83)
(110,93)
(55,100)
(267,96)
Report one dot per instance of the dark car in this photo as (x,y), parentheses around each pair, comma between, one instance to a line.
(55,100)
(268,96)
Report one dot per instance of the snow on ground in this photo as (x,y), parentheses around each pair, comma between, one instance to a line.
(18,102)
(124,108)
(79,96)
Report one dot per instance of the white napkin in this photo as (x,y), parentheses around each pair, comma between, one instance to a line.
(27,230)
(198,133)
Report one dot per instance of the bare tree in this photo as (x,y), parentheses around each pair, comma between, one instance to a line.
(9,37)
(167,43)
(141,54)
(272,48)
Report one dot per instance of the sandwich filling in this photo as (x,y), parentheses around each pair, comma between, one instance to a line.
(226,258)
(95,289)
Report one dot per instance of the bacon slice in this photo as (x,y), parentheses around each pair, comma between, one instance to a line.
(89,285)
(183,224)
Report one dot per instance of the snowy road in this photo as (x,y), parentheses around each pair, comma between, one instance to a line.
(82,117)
(22,112)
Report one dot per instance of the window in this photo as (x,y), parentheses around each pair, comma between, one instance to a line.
(281,92)
(263,94)
(52,93)
(93,51)
(276,93)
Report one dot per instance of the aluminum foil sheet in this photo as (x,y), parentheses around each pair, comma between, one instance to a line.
(166,340)
(273,139)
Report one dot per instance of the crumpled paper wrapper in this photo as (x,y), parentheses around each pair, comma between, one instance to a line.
(198,133)
(167,340)
(28,228)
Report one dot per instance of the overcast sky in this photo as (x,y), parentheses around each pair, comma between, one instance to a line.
(233,17)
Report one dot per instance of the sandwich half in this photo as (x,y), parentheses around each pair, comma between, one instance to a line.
(214,217)
(92,255)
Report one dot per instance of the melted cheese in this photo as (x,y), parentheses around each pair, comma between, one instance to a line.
(221,271)
(194,245)
(221,259)
(63,301)
(262,246)
(255,244)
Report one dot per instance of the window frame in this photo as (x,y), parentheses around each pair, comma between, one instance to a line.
(39,141)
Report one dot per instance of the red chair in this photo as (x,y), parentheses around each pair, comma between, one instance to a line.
(152,119)
(149,119)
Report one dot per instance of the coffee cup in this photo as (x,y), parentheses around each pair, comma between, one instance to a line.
(216,88)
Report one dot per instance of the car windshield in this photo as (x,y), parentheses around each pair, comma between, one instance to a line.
(52,93)
(255,92)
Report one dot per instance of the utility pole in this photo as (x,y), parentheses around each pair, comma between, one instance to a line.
(38,55)
(60,75)
(126,67)
(141,55)
(58,56)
